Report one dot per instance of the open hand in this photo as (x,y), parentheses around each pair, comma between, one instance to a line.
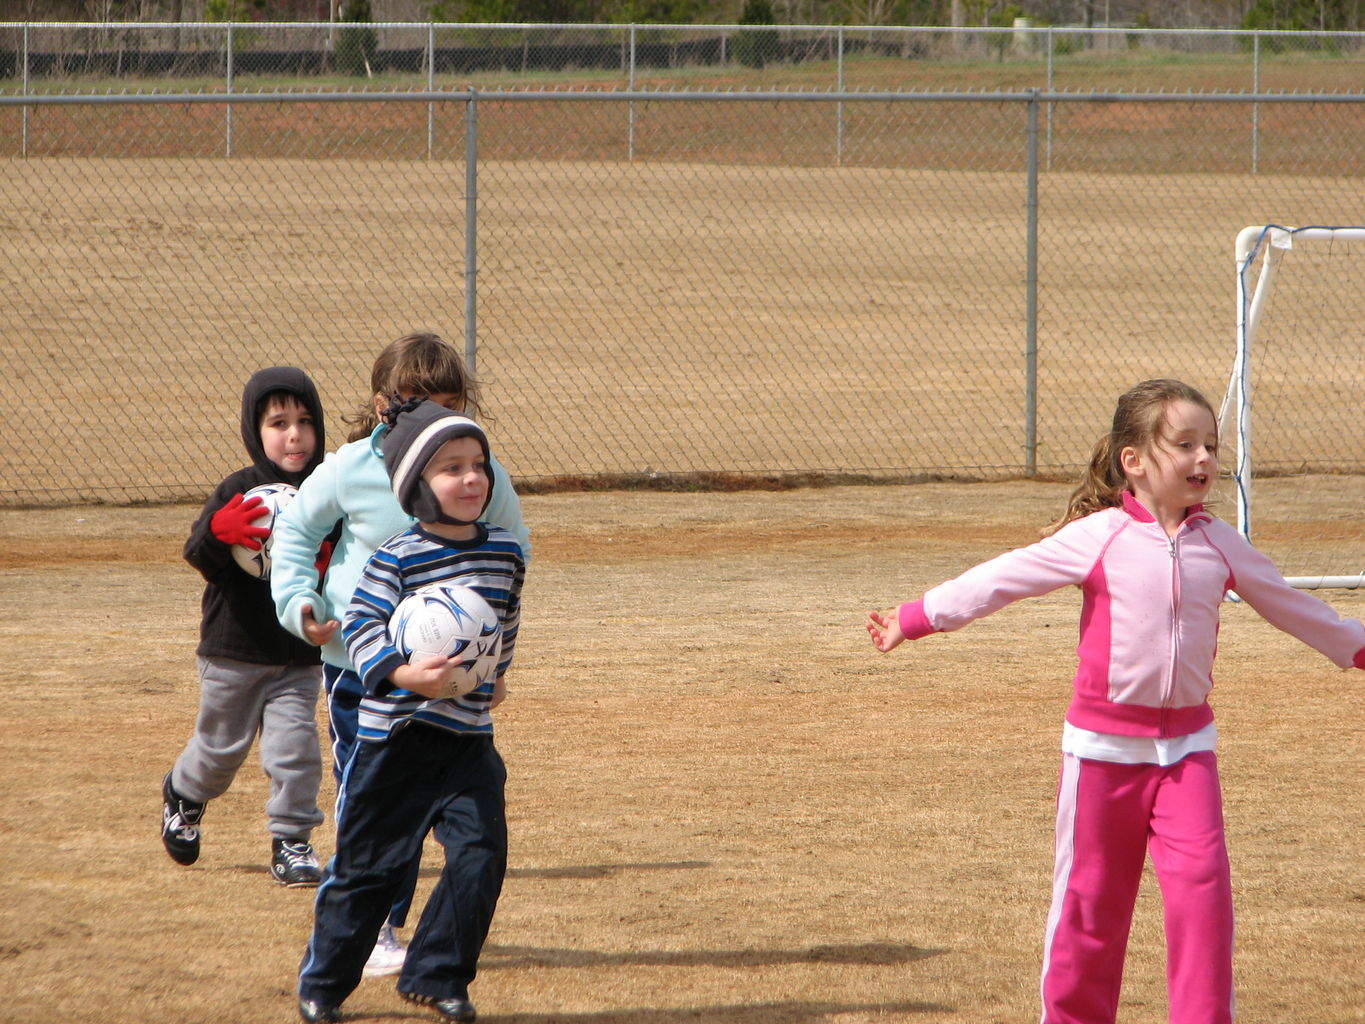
(885,630)
(231,524)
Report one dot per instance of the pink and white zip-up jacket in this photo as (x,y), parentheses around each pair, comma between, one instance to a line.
(1149,618)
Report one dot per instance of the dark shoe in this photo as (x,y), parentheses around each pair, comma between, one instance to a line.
(453,1008)
(314,1011)
(293,862)
(179,824)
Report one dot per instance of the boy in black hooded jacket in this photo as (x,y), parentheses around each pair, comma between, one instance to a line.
(255,677)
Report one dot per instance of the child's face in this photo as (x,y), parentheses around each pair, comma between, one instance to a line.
(457,476)
(1178,468)
(288,434)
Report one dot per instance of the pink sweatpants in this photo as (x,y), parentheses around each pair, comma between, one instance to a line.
(1109,816)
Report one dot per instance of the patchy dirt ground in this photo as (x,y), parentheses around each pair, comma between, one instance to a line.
(725,805)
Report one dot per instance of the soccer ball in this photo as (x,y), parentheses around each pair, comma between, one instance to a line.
(274,497)
(447,619)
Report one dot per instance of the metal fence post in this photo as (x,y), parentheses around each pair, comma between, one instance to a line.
(630,107)
(1049,43)
(1031,299)
(228,107)
(471,247)
(839,107)
(1256,107)
(431,87)
(24,142)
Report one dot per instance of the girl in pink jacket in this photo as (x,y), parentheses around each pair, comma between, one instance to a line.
(1139,773)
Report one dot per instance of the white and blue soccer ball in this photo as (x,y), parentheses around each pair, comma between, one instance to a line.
(447,619)
(274,497)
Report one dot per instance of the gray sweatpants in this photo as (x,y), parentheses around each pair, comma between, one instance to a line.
(237,702)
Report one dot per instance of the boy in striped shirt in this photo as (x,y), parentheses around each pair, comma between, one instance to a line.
(422,763)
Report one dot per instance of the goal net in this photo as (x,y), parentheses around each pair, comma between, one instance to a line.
(1289,429)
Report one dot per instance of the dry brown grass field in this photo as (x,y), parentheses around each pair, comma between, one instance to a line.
(724,805)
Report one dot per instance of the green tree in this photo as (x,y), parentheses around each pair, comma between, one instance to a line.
(919,12)
(1304,15)
(1002,18)
(471,10)
(232,10)
(655,12)
(755,49)
(356,42)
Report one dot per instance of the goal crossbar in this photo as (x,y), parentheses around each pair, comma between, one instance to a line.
(1269,241)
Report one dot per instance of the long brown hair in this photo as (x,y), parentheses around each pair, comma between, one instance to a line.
(1138,417)
(420,363)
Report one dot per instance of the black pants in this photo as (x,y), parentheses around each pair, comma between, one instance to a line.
(344,693)
(420,780)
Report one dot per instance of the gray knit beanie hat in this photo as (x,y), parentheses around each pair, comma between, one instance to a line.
(417,430)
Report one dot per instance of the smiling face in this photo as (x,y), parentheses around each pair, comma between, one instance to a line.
(288,434)
(1177,469)
(458,475)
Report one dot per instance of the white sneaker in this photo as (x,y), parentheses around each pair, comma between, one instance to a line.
(387,956)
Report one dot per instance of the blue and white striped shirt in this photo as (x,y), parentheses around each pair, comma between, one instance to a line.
(490,564)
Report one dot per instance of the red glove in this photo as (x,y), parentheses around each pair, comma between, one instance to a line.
(232,523)
(324,558)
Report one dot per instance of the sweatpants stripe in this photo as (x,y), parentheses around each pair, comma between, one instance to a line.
(1064,857)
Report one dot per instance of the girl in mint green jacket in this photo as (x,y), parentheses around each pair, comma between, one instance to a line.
(351,490)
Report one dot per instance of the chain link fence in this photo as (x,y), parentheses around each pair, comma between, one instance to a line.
(680,287)
(181,57)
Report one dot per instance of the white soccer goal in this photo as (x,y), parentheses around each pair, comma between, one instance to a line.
(1297,379)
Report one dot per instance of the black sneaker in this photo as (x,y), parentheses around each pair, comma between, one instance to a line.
(293,862)
(453,1008)
(314,1011)
(179,824)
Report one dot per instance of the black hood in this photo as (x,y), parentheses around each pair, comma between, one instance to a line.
(295,382)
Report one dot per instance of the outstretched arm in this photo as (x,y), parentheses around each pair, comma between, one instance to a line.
(1299,613)
(1063,559)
